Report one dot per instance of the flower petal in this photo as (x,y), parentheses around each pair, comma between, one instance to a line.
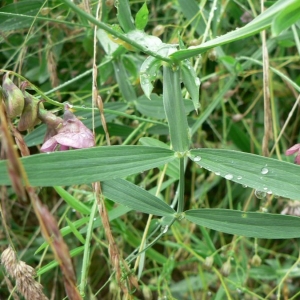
(75,140)
(293,149)
(50,145)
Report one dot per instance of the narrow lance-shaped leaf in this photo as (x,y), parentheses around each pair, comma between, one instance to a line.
(286,18)
(249,224)
(141,18)
(266,175)
(130,195)
(148,73)
(174,108)
(261,22)
(89,165)
(191,82)
(125,86)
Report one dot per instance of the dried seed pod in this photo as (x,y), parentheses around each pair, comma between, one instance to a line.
(13,97)
(29,117)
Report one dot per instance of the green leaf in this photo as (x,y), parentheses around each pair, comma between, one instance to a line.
(191,82)
(260,23)
(124,15)
(125,85)
(130,195)
(72,201)
(174,109)
(148,74)
(19,15)
(154,108)
(75,231)
(141,18)
(115,213)
(173,166)
(261,173)
(249,224)
(286,18)
(88,165)
(149,41)
(53,264)
(108,45)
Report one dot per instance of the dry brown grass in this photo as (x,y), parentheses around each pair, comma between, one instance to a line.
(23,275)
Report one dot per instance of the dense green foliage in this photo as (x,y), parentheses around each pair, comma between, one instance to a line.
(192,164)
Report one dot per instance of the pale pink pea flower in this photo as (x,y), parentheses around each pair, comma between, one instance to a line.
(292,150)
(70,133)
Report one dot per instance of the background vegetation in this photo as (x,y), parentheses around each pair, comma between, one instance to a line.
(240,107)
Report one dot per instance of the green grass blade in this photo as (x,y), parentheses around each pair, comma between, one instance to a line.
(264,174)
(249,224)
(75,231)
(190,9)
(174,109)
(130,195)
(286,18)
(53,264)
(89,165)
(72,201)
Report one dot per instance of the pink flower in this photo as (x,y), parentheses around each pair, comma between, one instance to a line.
(292,150)
(71,133)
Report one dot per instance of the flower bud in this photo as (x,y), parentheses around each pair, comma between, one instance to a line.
(29,116)
(209,260)
(13,96)
(256,260)
(226,268)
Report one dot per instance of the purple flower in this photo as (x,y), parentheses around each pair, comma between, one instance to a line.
(292,150)
(70,133)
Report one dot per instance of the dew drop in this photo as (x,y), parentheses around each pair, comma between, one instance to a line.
(264,171)
(197,158)
(265,188)
(239,178)
(260,194)
(244,186)
(228,176)
(269,192)
(164,229)
(218,173)
(197,81)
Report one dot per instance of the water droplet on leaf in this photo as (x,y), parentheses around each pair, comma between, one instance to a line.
(197,158)
(228,176)
(264,171)
(260,194)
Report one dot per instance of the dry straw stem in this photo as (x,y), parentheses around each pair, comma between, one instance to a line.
(114,254)
(23,275)
(47,222)
(52,234)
